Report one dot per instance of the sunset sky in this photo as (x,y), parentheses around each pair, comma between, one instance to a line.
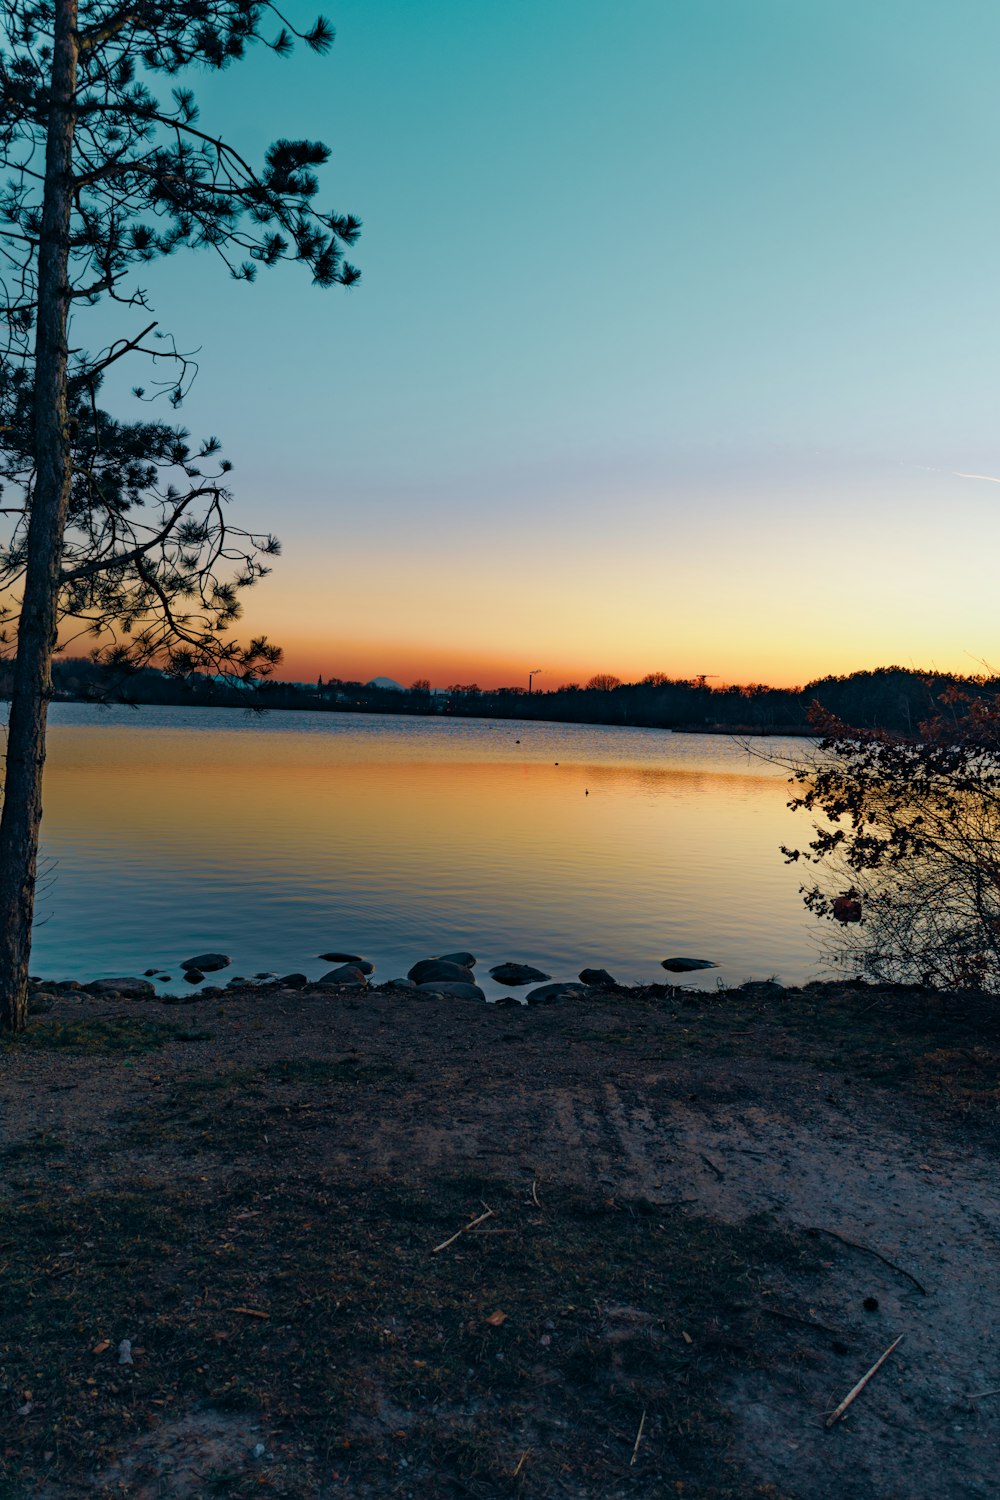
(679,328)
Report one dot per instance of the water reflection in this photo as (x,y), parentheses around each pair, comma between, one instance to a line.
(278,838)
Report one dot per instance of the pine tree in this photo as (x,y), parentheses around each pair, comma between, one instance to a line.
(122,525)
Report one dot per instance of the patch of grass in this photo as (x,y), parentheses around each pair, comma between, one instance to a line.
(197,1087)
(941,1048)
(612,1037)
(325,1314)
(350,1070)
(304,1070)
(296,1071)
(36,1148)
(105,1034)
(224,1482)
(232,1110)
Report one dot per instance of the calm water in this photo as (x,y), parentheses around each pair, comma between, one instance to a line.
(168,831)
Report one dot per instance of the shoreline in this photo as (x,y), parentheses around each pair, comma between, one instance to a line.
(140,991)
(474,991)
(263,711)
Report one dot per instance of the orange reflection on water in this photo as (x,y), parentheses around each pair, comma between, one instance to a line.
(276,844)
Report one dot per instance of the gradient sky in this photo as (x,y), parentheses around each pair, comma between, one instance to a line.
(679,323)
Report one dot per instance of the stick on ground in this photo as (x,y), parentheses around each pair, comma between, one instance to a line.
(855,1245)
(464,1230)
(856,1390)
(638,1438)
(787,1317)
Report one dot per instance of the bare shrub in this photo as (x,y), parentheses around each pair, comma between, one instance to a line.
(910,827)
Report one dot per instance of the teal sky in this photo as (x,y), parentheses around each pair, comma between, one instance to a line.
(678,320)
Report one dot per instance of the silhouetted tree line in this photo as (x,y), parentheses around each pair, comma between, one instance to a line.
(890,698)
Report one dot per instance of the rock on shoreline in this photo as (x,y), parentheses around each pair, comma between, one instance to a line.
(208,963)
(443,970)
(126,988)
(517,974)
(448,976)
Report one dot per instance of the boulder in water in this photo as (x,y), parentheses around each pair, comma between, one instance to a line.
(517,974)
(208,963)
(349,958)
(467,960)
(440,968)
(687,965)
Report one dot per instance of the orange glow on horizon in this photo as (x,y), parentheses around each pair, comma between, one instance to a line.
(305,661)
(629,612)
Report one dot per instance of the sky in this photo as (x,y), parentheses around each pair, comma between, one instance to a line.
(677,340)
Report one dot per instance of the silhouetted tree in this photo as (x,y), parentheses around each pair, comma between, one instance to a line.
(151,565)
(604,682)
(103,178)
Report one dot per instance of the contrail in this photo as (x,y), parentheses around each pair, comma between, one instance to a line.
(990,478)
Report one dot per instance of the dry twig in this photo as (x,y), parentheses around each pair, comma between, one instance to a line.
(787,1317)
(534,1192)
(869,1251)
(464,1230)
(856,1390)
(520,1463)
(638,1438)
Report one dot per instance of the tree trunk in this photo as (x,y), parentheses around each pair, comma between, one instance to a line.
(22,801)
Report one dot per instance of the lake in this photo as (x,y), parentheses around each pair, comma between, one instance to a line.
(168,831)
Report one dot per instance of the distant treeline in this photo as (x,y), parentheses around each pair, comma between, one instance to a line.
(894,698)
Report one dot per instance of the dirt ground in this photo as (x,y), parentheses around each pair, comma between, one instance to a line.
(704,1217)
